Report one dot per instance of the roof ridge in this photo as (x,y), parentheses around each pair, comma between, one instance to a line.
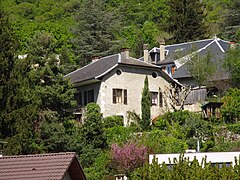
(143,62)
(89,64)
(190,42)
(38,155)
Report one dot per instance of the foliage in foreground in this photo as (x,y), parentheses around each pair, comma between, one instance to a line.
(230,109)
(184,169)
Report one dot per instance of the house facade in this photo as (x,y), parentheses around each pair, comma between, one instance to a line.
(116,82)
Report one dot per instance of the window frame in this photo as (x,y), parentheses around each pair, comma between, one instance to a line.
(119,96)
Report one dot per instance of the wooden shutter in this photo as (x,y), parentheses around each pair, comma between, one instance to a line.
(160,99)
(114,96)
(125,96)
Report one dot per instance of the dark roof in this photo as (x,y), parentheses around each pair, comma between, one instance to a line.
(179,54)
(217,49)
(104,65)
(40,167)
(177,51)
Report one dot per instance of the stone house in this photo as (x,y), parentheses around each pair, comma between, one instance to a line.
(116,82)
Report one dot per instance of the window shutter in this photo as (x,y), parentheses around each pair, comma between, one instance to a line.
(114,96)
(125,96)
(160,99)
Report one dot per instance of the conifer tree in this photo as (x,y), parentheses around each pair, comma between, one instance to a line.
(146,106)
(92,134)
(186,20)
(47,76)
(16,108)
(94,33)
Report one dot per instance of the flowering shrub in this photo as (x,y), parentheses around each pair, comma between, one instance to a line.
(127,157)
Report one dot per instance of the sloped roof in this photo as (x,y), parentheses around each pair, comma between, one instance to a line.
(217,49)
(104,65)
(40,167)
(176,51)
(180,54)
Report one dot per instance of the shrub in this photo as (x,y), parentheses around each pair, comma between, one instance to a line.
(112,121)
(127,157)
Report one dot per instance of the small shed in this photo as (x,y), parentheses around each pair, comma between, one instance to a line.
(54,166)
(212,109)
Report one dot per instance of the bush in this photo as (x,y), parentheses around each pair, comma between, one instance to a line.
(119,134)
(230,109)
(112,121)
(160,141)
(235,128)
(127,157)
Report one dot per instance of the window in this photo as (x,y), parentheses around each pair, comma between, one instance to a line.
(78,98)
(119,96)
(118,71)
(88,96)
(154,98)
(154,74)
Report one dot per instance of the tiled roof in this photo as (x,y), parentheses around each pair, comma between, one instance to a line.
(37,167)
(100,67)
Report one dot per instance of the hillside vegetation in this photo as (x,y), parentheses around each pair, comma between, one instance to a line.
(58,36)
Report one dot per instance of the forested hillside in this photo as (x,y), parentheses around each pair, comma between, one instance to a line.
(55,37)
(119,23)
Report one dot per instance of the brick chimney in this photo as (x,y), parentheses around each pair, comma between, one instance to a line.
(125,53)
(145,52)
(162,50)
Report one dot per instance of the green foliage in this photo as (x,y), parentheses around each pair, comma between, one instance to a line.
(182,169)
(28,17)
(160,141)
(112,121)
(100,168)
(235,128)
(202,68)
(186,20)
(145,106)
(187,127)
(119,134)
(92,135)
(95,31)
(230,109)
(232,64)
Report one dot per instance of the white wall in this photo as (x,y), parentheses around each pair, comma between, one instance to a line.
(213,157)
(131,79)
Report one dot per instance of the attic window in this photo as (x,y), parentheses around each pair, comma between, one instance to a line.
(154,74)
(118,71)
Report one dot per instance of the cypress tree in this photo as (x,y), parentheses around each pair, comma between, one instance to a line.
(186,20)
(146,106)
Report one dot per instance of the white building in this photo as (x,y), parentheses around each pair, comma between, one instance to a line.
(219,158)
